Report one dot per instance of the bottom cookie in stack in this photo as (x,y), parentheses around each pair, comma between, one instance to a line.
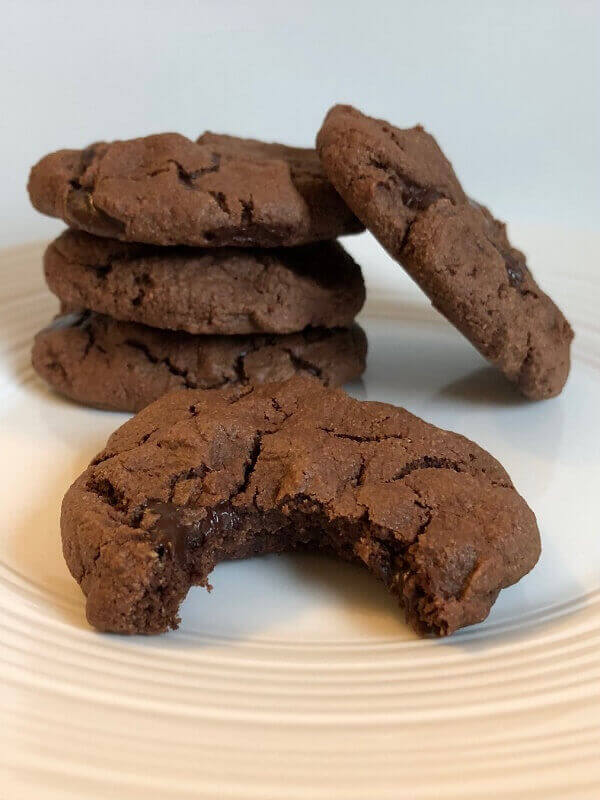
(102,362)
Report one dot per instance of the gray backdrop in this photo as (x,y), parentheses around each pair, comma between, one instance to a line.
(511,89)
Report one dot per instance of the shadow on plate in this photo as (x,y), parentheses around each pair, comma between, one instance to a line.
(484,386)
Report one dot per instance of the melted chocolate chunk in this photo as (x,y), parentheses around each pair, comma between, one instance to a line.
(184,530)
(514,270)
(418,198)
(415,196)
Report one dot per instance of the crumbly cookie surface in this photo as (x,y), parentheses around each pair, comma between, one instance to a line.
(208,291)
(123,366)
(200,476)
(400,184)
(168,190)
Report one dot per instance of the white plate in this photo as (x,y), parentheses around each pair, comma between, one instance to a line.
(297,677)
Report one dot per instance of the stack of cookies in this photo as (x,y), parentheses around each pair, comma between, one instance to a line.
(194,264)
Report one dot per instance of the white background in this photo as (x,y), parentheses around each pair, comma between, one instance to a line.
(510,89)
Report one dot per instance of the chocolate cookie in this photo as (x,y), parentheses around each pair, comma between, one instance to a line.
(168,190)
(198,477)
(221,290)
(400,184)
(123,366)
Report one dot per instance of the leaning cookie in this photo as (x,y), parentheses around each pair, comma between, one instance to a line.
(123,366)
(400,184)
(202,476)
(209,291)
(168,190)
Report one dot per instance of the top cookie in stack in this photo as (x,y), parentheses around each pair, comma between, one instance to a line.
(201,240)
(217,191)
